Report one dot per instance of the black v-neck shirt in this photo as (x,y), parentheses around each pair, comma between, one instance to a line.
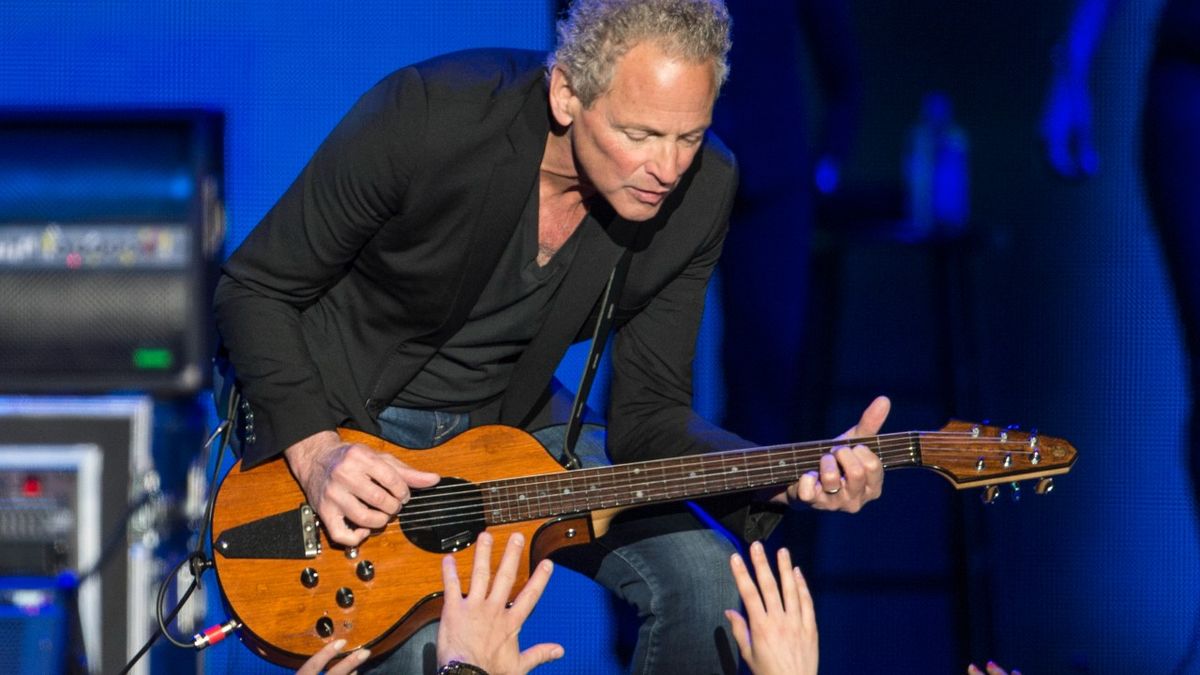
(475,365)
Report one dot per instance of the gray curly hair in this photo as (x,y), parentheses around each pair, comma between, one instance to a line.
(596,33)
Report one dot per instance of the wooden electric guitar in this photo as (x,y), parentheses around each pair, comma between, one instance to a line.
(293,591)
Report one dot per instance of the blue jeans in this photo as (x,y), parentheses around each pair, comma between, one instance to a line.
(667,563)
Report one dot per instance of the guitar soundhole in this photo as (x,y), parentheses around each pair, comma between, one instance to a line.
(444,518)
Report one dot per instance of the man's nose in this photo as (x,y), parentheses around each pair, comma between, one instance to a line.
(664,164)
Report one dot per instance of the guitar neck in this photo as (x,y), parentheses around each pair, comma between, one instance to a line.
(678,478)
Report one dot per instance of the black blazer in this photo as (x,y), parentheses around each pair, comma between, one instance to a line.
(376,253)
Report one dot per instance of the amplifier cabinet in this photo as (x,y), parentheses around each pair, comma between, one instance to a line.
(111,226)
(69,469)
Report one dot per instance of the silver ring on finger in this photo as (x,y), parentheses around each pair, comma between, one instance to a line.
(834,491)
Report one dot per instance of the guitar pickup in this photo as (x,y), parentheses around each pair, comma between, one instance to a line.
(458,541)
(291,535)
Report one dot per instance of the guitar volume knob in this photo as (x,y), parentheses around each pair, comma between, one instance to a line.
(324,626)
(365,570)
(345,598)
(309,577)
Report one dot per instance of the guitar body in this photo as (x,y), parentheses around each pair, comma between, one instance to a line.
(282,615)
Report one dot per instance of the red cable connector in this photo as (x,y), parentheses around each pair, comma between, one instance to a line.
(212,636)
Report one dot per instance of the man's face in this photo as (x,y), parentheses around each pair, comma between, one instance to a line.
(638,138)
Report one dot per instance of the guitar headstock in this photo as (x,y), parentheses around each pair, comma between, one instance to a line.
(973,455)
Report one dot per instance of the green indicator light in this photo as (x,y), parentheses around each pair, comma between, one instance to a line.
(146,358)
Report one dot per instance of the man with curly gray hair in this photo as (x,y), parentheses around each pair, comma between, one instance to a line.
(596,34)
(447,243)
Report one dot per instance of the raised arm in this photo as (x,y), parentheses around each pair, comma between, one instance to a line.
(1066,125)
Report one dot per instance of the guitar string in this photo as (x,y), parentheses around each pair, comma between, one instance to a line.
(708,461)
(514,507)
(447,493)
(751,454)
(607,495)
(531,509)
(465,516)
(929,442)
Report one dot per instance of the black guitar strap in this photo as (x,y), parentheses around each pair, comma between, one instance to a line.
(608,303)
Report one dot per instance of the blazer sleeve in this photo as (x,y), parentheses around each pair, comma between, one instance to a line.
(354,183)
(650,413)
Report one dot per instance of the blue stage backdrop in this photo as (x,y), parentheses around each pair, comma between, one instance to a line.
(1073,321)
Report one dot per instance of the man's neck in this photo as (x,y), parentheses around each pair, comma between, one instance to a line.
(562,196)
(559,175)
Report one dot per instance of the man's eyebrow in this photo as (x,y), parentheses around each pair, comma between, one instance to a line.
(651,130)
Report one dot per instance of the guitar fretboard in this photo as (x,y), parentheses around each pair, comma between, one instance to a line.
(664,480)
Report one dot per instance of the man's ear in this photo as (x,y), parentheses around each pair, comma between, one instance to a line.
(564,104)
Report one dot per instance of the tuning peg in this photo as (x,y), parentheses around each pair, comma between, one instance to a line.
(1044,486)
(1016,491)
(990,493)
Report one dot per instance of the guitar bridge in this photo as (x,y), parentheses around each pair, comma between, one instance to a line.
(291,535)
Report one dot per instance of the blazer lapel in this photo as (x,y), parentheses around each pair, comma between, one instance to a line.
(500,211)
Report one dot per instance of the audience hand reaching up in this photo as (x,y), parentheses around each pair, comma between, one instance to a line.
(480,628)
(778,634)
(991,669)
(317,662)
